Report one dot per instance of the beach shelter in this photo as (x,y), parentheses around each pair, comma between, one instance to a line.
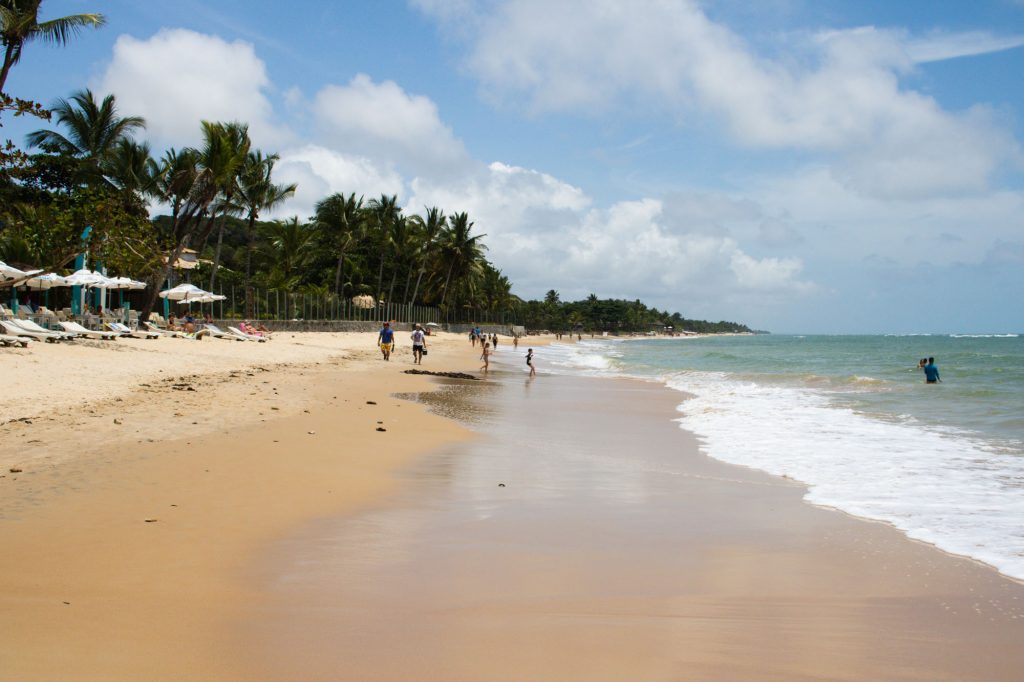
(9,273)
(45,283)
(85,278)
(122,283)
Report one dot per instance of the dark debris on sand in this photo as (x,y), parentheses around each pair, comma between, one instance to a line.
(449,375)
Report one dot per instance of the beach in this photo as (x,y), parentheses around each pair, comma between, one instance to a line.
(506,529)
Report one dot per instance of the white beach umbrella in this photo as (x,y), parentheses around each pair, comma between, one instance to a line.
(125,283)
(184,293)
(85,278)
(47,281)
(8,272)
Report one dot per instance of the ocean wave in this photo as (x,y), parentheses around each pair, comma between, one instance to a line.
(941,486)
(984,336)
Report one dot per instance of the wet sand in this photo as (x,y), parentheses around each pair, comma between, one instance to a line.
(583,536)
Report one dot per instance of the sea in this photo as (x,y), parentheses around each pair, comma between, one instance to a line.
(853,419)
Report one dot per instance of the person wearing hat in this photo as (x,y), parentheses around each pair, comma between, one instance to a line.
(386,340)
(419,345)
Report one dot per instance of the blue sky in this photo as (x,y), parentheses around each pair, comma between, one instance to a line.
(802,166)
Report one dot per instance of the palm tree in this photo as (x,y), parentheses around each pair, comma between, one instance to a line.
(462,252)
(19,24)
(93,131)
(217,164)
(429,229)
(289,244)
(384,212)
(343,219)
(131,169)
(256,193)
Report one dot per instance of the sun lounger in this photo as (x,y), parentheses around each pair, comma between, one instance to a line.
(32,326)
(8,340)
(246,337)
(125,330)
(13,329)
(164,332)
(218,333)
(76,328)
(178,335)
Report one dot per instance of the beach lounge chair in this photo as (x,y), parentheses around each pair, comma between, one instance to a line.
(8,340)
(31,326)
(245,337)
(125,330)
(152,326)
(196,336)
(218,333)
(14,330)
(79,329)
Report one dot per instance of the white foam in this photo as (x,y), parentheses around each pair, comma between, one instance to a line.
(939,486)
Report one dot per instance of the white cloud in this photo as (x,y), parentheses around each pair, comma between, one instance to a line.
(844,99)
(179,77)
(382,119)
(542,231)
(320,172)
(940,46)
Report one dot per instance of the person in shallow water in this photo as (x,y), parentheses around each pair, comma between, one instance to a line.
(931,372)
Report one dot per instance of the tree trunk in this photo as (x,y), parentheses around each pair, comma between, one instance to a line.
(8,63)
(216,252)
(338,272)
(444,292)
(380,276)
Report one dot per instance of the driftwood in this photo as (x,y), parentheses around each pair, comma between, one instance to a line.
(449,375)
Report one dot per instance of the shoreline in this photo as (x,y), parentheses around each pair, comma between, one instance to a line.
(197,593)
(591,587)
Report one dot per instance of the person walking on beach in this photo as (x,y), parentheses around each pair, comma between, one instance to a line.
(486,357)
(386,340)
(931,372)
(494,341)
(419,342)
(529,363)
(515,341)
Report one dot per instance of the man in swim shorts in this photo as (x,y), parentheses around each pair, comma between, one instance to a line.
(386,340)
(931,372)
(419,342)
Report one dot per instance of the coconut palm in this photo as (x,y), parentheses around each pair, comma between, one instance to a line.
(383,212)
(130,168)
(343,220)
(19,24)
(257,192)
(429,230)
(289,245)
(93,129)
(461,251)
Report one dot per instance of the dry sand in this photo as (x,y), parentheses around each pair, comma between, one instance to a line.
(271,435)
(206,535)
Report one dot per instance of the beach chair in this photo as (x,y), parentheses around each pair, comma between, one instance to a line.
(5,312)
(125,330)
(32,326)
(218,333)
(195,336)
(9,340)
(245,337)
(76,328)
(15,330)
(152,326)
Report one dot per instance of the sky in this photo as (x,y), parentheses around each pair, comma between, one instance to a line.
(804,166)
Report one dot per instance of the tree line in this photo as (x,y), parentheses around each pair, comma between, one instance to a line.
(89,167)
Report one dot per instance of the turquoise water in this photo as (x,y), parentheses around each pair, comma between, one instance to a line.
(852,417)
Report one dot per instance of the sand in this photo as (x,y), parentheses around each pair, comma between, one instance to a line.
(205,535)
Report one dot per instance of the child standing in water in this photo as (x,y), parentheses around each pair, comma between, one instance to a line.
(529,362)
(486,356)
